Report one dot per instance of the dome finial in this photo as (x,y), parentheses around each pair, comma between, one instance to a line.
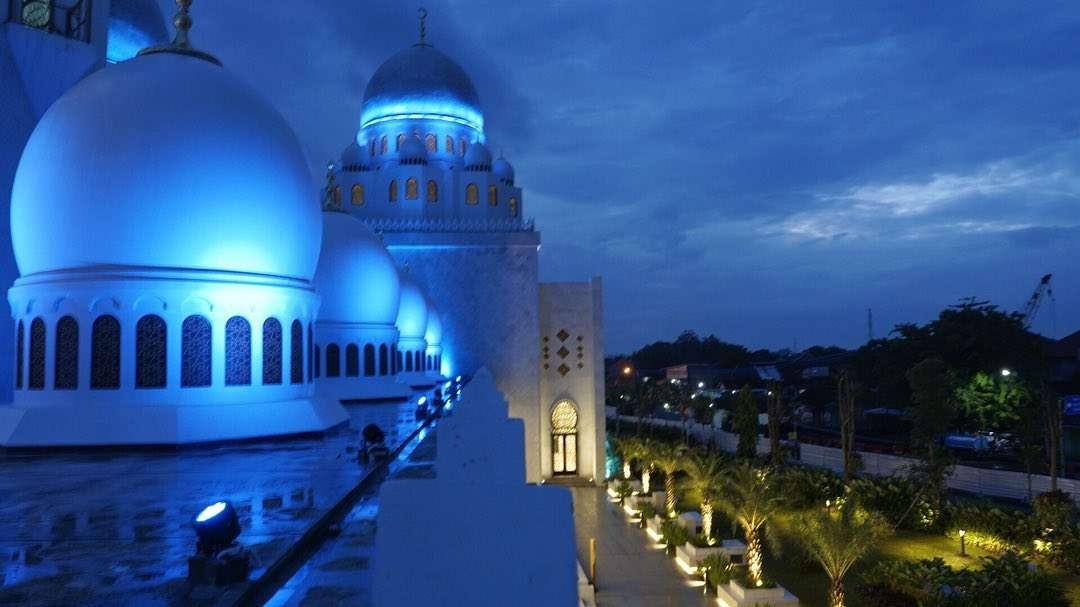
(422,12)
(180,44)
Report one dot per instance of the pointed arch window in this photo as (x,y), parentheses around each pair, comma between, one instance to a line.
(352,360)
(296,352)
(20,338)
(393,190)
(461,148)
(432,191)
(333,361)
(195,352)
(105,353)
(357,197)
(382,145)
(318,361)
(411,189)
(493,195)
(472,194)
(271,344)
(431,142)
(400,362)
(400,140)
(150,353)
(369,360)
(312,350)
(449,144)
(237,352)
(408,361)
(371,147)
(66,367)
(37,355)
(513,206)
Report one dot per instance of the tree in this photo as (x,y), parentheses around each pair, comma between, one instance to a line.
(775,408)
(846,390)
(837,540)
(932,412)
(990,403)
(745,423)
(1052,406)
(705,471)
(668,458)
(640,450)
(750,498)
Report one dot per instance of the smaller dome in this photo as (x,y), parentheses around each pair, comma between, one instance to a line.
(356,277)
(412,151)
(478,157)
(433,335)
(412,314)
(351,155)
(503,170)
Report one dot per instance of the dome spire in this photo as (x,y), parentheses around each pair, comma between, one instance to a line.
(180,44)
(422,13)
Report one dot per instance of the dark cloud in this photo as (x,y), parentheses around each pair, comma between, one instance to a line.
(766,171)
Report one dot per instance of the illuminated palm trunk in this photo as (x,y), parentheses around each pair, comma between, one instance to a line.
(753,555)
(669,489)
(626,469)
(706,520)
(836,593)
(646,477)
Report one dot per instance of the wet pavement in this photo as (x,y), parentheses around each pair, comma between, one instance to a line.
(113,528)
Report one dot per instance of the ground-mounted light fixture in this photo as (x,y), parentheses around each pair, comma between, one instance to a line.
(218,558)
(962,533)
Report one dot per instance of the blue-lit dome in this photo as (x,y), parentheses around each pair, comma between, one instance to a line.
(357,278)
(351,156)
(421,82)
(412,315)
(412,151)
(133,26)
(165,161)
(503,170)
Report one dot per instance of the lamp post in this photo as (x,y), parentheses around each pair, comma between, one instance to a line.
(962,533)
(1006,372)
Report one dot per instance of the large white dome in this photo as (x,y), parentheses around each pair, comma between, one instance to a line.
(356,277)
(412,315)
(165,160)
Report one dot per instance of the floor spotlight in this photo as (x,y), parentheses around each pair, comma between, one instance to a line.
(218,558)
(217,526)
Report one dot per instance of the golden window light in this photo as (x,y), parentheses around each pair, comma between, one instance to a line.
(358,194)
(493,195)
(513,206)
(472,194)
(432,191)
(393,190)
(410,189)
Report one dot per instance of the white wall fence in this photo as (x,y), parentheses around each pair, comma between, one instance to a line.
(984,481)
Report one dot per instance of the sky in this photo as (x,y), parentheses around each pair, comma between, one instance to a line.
(763,171)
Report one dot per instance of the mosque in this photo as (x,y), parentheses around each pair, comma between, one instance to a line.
(178,276)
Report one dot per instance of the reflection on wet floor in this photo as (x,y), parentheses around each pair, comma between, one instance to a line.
(112,528)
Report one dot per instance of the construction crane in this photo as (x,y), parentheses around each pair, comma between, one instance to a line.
(1043,289)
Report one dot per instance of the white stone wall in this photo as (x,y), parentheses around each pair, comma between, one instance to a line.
(485,287)
(571,367)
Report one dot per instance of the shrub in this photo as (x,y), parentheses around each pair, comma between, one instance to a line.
(674,534)
(717,569)
(648,510)
(623,490)
(809,487)
(897,498)
(991,527)
(1054,510)
(741,575)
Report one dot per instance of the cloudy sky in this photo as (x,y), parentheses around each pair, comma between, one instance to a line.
(762,171)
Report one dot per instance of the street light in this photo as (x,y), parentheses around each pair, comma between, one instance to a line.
(700,385)
(1006,372)
(627,370)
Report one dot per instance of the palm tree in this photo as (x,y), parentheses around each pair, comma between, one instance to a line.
(838,540)
(751,500)
(706,471)
(668,458)
(641,451)
(622,446)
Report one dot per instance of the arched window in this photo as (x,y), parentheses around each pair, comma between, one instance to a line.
(432,191)
(37,355)
(431,142)
(20,338)
(312,350)
(383,362)
(411,189)
(150,352)
(105,353)
(369,360)
(371,147)
(419,364)
(400,362)
(408,361)
(296,353)
(449,144)
(333,360)
(461,148)
(472,194)
(195,352)
(358,194)
(66,369)
(513,206)
(393,190)
(493,195)
(382,145)
(237,352)
(271,344)
(400,140)
(352,360)
(318,362)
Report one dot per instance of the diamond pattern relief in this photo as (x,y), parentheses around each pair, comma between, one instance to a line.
(563,369)
(563,352)
(562,335)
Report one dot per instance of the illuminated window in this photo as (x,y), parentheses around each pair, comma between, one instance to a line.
(431,142)
(333,360)
(382,145)
(493,195)
(105,353)
(411,189)
(393,190)
(472,194)
(369,360)
(564,418)
(150,352)
(296,352)
(432,191)
(358,194)
(237,352)
(67,354)
(513,206)
(195,352)
(271,352)
(400,140)
(352,360)
(450,144)
(337,195)
(37,355)
(19,339)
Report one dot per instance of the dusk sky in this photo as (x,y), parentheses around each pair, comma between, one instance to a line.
(762,171)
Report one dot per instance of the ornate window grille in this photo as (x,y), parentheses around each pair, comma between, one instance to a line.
(196,352)
(271,352)
(105,353)
(37,355)
(237,352)
(296,353)
(150,352)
